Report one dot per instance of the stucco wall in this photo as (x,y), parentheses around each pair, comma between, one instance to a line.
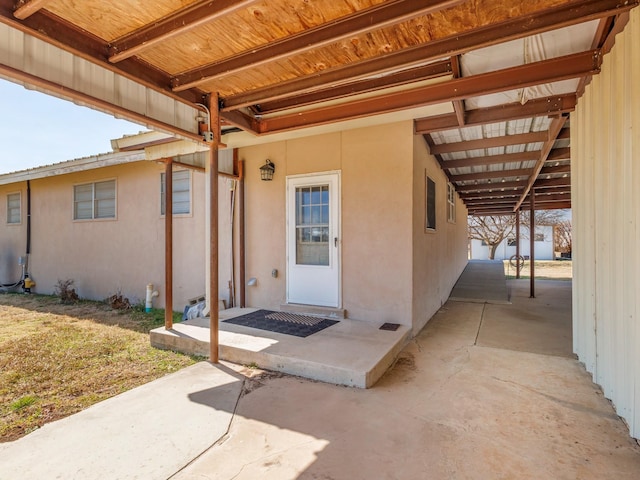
(13,236)
(115,255)
(375,166)
(605,144)
(438,256)
(391,270)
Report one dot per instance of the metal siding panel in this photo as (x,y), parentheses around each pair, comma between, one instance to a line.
(129,93)
(36,57)
(606,215)
(632,151)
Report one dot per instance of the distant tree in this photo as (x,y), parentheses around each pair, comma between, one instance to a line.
(493,229)
(563,236)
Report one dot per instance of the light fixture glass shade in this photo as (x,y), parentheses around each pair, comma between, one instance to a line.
(267,170)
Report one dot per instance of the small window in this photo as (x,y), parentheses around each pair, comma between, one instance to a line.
(511,242)
(181,192)
(13,208)
(94,200)
(451,203)
(539,237)
(430,195)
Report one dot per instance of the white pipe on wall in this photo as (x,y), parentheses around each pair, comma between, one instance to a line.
(148,303)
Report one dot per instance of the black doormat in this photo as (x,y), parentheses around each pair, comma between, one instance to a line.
(282,322)
(392,327)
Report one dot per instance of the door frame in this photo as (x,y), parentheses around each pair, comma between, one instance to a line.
(336,233)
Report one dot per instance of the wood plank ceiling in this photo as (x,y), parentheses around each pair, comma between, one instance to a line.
(279,65)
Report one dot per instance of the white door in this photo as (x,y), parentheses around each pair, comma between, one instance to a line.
(313,239)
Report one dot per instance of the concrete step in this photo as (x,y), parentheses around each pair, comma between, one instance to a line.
(314,311)
(351,352)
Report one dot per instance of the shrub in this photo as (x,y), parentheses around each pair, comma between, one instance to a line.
(64,289)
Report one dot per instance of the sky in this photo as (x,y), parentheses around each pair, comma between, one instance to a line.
(39,129)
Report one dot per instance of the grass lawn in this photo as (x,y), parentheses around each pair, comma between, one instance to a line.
(56,359)
(544,270)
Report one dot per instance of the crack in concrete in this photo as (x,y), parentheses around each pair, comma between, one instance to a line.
(222,438)
(576,407)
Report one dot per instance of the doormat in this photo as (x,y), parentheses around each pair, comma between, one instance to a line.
(282,322)
(392,327)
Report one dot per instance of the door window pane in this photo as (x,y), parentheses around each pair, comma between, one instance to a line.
(312,225)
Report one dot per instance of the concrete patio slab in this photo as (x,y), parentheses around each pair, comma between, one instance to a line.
(521,326)
(147,433)
(449,408)
(351,352)
(482,281)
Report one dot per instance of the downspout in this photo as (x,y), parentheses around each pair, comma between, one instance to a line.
(27,283)
(532,238)
(241,235)
(518,244)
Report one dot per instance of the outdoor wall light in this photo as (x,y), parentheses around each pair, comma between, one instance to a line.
(266,170)
(252,281)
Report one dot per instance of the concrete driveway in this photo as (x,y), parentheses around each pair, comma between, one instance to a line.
(483,392)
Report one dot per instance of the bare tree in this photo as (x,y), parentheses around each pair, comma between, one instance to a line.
(493,229)
(563,236)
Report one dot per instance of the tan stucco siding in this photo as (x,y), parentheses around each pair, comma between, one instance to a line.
(375,168)
(124,254)
(605,143)
(377,223)
(13,237)
(392,271)
(438,256)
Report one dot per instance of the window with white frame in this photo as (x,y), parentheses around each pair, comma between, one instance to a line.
(181,192)
(430,204)
(94,200)
(13,208)
(451,203)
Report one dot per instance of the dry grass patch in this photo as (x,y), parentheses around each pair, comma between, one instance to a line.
(544,270)
(56,360)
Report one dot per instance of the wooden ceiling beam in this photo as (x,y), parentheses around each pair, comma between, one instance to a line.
(558,154)
(560,205)
(545,71)
(426,72)
(487,187)
(561,196)
(520,172)
(458,105)
(519,139)
(241,120)
(492,159)
(488,175)
(497,210)
(480,195)
(176,24)
(549,19)
(554,130)
(513,111)
(553,182)
(565,134)
(479,212)
(26,8)
(374,18)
